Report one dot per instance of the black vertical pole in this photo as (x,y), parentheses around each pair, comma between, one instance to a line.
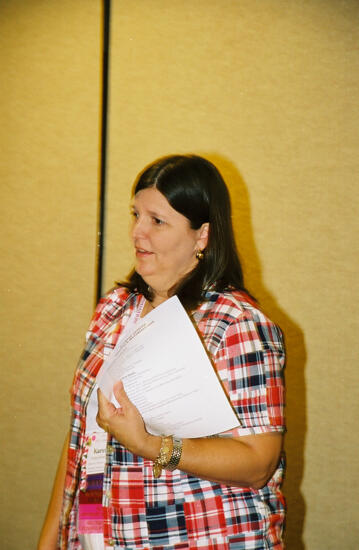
(103,159)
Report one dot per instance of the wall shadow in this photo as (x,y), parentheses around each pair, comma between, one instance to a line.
(296,415)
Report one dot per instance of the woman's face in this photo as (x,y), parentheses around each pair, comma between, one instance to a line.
(165,245)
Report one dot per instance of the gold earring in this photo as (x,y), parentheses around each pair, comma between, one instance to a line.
(199,255)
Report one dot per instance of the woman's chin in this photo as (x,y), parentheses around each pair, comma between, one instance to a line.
(145,273)
(147,276)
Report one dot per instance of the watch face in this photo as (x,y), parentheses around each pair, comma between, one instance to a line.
(157,469)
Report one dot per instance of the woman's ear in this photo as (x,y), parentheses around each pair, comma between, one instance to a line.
(203,235)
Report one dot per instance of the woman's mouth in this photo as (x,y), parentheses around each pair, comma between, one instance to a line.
(142,253)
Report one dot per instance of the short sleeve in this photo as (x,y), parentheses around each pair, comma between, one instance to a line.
(250,362)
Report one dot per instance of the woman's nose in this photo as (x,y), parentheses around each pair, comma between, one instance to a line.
(138,228)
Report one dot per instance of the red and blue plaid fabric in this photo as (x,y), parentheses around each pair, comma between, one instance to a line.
(179,511)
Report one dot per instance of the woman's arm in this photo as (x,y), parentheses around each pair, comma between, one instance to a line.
(247,461)
(49,532)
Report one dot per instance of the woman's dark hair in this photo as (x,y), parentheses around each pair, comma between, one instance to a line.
(194,187)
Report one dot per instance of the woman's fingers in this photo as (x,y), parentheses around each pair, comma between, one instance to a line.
(121,396)
(124,423)
(105,410)
(104,405)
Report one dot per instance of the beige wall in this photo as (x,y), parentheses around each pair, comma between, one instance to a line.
(48,199)
(268,90)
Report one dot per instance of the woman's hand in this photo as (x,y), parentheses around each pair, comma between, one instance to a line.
(246,461)
(126,424)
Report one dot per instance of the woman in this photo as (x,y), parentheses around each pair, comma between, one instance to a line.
(220,492)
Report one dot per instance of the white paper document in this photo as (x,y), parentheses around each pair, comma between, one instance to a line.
(168,376)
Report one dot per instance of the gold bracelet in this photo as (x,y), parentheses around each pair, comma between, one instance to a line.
(164,456)
(176,454)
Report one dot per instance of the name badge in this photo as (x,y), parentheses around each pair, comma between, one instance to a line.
(96,453)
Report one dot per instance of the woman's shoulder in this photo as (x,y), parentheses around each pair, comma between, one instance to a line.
(116,296)
(230,303)
(239,313)
(118,293)
(112,304)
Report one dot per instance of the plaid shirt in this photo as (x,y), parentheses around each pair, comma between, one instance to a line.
(179,511)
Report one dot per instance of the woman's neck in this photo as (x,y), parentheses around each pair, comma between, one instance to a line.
(158,298)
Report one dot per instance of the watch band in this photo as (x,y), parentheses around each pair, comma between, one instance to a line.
(176,454)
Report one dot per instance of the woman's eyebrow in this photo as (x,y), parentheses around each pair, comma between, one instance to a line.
(154,213)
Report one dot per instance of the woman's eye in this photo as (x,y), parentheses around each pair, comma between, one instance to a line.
(134,214)
(158,221)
